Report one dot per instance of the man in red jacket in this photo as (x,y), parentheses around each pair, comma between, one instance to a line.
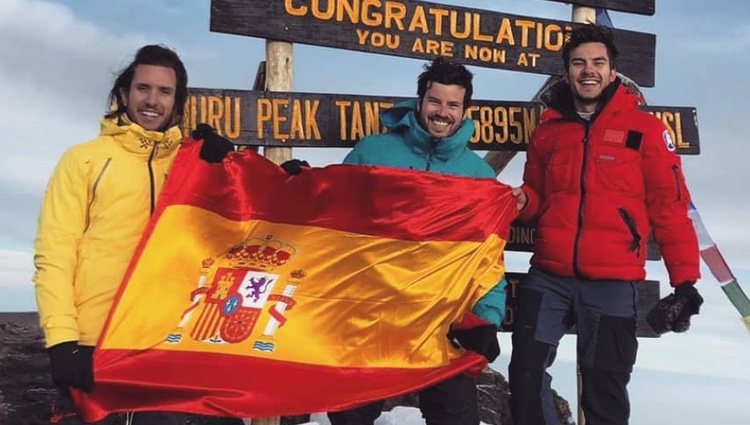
(600,176)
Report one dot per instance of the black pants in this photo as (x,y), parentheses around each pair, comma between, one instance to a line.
(605,319)
(65,412)
(452,402)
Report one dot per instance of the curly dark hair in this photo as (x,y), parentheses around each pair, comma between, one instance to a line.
(590,34)
(443,71)
(152,54)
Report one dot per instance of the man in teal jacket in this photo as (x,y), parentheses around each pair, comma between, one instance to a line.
(431,134)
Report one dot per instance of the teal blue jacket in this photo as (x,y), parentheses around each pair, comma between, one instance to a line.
(408,145)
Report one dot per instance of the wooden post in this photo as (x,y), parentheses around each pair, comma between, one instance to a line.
(279,73)
(586,15)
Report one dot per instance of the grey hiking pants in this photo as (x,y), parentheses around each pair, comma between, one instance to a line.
(604,314)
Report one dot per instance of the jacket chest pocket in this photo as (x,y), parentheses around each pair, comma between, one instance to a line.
(562,163)
(617,168)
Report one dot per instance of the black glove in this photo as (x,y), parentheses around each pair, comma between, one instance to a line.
(72,365)
(481,339)
(672,313)
(215,147)
(294,166)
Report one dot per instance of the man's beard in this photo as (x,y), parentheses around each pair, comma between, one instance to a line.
(587,100)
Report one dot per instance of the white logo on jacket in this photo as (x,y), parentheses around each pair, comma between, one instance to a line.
(668,141)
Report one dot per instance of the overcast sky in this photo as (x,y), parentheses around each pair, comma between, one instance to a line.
(58,59)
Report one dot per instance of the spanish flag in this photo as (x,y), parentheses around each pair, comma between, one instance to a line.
(254,293)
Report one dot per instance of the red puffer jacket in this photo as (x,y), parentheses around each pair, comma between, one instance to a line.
(599,187)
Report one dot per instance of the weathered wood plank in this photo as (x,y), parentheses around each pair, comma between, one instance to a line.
(338,120)
(423,30)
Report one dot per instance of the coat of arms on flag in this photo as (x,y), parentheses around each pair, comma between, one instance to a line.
(226,310)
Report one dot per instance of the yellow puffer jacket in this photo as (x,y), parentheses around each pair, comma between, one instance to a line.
(95,209)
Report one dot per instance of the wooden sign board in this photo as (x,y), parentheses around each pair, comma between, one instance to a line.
(648,296)
(338,120)
(522,240)
(424,30)
(641,7)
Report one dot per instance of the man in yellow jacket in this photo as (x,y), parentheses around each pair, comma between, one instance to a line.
(96,206)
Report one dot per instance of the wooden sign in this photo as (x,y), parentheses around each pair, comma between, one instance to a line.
(522,240)
(648,296)
(424,30)
(337,120)
(682,124)
(641,7)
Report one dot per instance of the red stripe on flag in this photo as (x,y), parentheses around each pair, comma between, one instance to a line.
(248,186)
(240,386)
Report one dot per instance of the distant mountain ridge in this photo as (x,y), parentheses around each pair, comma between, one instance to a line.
(20,318)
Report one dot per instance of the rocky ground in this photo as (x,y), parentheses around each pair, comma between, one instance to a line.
(26,390)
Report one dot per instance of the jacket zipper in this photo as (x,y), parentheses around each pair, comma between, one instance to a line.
(151,177)
(431,153)
(582,203)
(93,192)
(675,172)
(635,246)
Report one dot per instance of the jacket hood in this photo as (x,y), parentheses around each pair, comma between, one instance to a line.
(137,139)
(402,118)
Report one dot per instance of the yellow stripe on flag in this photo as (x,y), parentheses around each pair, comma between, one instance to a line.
(340,299)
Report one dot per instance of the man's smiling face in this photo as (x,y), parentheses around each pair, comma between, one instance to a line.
(441,110)
(150,100)
(589,72)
